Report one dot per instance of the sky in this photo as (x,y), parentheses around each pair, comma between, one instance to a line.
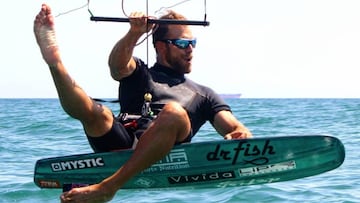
(259,48)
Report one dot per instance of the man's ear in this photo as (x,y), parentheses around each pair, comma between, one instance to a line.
(160,47)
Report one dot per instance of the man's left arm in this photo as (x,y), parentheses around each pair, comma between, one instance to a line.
(229,127)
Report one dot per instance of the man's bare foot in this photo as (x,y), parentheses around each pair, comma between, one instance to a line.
(45,36)
(92,193)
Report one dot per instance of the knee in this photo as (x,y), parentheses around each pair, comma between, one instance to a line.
(174,120)
(175,114)
(174,109)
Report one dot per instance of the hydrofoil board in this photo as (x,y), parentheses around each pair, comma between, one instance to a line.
(212,164)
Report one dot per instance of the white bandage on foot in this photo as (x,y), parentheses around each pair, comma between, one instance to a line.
(47,37)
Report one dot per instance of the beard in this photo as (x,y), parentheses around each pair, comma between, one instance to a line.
(178,63)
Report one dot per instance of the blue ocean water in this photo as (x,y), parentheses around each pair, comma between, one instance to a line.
(31,129)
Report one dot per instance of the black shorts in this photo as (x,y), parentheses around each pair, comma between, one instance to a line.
(120,137)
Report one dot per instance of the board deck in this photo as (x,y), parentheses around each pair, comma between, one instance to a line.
(212,164)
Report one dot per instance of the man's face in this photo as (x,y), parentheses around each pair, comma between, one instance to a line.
(179,49)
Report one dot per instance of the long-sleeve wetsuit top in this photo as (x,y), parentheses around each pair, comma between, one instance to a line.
(164,84)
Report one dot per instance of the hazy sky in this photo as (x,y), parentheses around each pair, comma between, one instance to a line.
(260,48)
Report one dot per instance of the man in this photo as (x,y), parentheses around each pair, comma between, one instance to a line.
(177,110)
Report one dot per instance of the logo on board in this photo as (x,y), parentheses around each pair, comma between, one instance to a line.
(77,164)
(201,177)
(246,151)
(176,159)
(270,168)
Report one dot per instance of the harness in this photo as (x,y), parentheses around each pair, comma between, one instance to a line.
(137,124)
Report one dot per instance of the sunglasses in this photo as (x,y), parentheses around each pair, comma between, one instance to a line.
(181,43)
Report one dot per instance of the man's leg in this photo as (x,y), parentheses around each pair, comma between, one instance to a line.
(96,119)
(171,125)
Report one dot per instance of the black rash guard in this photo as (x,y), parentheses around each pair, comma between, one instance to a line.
(164,84)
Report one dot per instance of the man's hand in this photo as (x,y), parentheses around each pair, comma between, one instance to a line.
(138,23)
(241,134)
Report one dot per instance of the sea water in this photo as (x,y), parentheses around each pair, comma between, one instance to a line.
(31,129)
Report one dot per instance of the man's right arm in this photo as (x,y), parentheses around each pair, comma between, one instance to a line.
(121,62)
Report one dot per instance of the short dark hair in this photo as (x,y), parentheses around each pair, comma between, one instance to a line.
(161,30)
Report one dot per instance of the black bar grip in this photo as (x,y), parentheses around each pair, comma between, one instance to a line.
(152,21)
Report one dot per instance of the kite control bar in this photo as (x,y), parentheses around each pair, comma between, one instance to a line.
(152,21)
